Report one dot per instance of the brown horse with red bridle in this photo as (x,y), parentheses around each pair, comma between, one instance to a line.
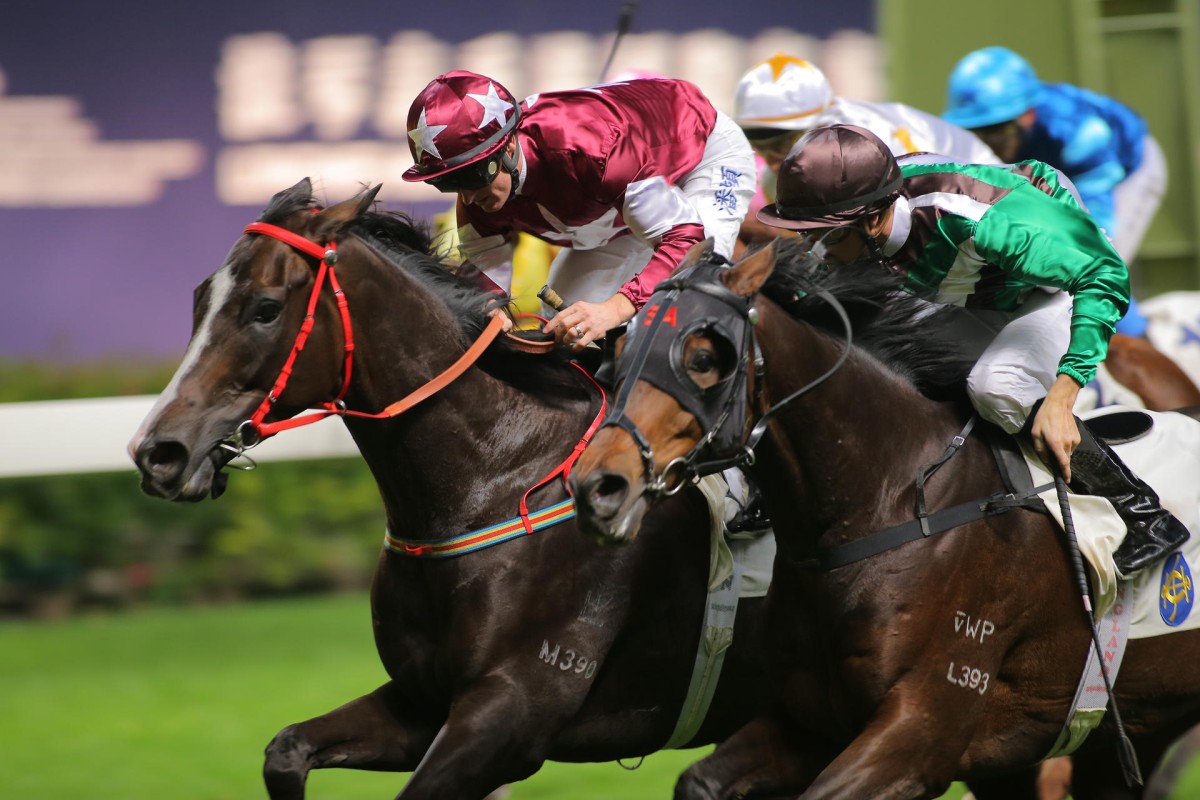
(884,696)
(544,646)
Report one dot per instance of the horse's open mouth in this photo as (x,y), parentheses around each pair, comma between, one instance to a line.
(218,457)
(619,529)
(207,479)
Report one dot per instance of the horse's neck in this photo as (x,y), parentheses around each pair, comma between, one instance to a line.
(467,446)
(853,442)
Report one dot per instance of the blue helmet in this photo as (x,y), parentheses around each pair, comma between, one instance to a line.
(990,86)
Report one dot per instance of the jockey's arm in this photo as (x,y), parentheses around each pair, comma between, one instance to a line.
(1095,167)
(1055,433)
(752,232)
(1053,243)
(486,258)
(660,215)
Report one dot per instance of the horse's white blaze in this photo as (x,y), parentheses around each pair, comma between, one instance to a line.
(219,292)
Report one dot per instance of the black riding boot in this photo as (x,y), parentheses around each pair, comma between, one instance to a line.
(1153,532)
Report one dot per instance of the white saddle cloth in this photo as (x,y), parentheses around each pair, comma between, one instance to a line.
(1174,328)
(1104,390)
(1167,458)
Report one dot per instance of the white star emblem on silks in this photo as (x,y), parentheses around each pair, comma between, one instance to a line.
(423,136)
(587,236)
(495,107)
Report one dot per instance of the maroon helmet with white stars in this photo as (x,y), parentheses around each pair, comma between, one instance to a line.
(460,119)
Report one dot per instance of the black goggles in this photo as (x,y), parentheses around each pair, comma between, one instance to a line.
(468,177)
(772,141)
(831,237)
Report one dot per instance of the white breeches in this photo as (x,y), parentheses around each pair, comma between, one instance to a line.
(1137,198)
(1016,352)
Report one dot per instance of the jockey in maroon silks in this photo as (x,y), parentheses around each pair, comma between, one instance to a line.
(625,177)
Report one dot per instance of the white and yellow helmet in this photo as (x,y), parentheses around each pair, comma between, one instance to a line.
(782,92)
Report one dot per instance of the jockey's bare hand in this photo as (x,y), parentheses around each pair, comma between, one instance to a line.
(582,323)
(1055,434)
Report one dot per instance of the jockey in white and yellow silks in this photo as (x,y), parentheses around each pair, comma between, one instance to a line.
(530,265)
(780,99)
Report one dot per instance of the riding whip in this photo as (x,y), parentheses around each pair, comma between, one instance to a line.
(1125,751)
(623,23)
(554,300)
(551,298)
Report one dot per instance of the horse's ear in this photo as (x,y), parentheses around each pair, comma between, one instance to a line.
(298,196)
(699,252)
(302,190)
(748,275)
(331,220)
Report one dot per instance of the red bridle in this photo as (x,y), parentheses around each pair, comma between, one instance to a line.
(255,429)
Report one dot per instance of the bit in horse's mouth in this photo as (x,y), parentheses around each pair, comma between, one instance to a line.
(621,530)
(219,456)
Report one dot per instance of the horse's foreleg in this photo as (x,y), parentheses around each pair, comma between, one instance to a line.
(901,755)
(367,733)
(764,758)
(496,733)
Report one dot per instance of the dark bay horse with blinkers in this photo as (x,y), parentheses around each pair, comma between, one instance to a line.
(885,696)
(547,646)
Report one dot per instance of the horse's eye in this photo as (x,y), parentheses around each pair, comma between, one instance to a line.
(267,311)
(702,360)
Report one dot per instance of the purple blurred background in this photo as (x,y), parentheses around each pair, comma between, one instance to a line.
(86,282)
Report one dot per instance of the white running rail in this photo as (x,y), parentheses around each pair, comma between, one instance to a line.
(62,437)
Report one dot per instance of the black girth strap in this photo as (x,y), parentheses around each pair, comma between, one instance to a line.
(937,522)
(926,524)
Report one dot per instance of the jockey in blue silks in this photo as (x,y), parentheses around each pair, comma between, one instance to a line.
(1100,144)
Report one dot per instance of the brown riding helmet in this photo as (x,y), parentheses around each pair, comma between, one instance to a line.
(832,177)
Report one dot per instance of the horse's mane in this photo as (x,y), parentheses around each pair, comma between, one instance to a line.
(884,318)
(407,245)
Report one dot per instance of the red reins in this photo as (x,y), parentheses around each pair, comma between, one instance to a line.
(564,469)
(255,429)
(327,255)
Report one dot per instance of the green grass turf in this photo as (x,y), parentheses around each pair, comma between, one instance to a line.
(180,703)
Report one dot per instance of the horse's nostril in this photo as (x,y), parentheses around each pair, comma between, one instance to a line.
(166,453)
(604,493)
(163,459)
(609,484)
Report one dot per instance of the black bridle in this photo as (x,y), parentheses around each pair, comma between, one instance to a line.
(696,300)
